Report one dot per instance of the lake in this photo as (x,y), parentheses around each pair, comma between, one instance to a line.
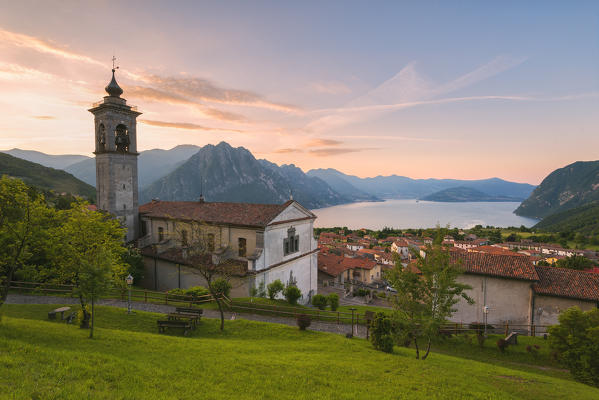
(420,214)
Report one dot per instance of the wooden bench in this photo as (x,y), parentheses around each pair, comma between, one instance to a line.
(197,311)
(61,310)
(193,318)
(185,325)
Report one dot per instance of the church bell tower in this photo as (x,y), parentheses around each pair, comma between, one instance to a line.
(116,158)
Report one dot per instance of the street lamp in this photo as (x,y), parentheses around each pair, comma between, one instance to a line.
(129,281)
(486,314)
(352,320)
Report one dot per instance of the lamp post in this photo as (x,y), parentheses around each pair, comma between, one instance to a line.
(352,320)
(129,280)
(486,314)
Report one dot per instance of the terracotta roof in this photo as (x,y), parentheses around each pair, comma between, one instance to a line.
(505,266)
(334,265)
(569,283)
(245,214)
(494,250)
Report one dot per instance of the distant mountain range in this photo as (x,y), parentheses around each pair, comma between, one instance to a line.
(48,160)
(44,178)
(569,187)
(462,194)
(224,173)
(389,187)
(152,164)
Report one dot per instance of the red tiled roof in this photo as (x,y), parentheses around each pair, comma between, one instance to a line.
(505,266)
(494,250)
(569,283)
(334,265)
(245,214)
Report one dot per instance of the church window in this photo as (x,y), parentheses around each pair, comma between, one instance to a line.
(291,243)
(160,234)
(242,245)
(184,238)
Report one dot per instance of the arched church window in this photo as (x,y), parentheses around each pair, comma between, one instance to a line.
(121,140)
(101,138)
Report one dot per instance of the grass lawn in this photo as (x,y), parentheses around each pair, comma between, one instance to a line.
(250,360)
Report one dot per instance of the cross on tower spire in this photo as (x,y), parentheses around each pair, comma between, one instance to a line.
(113,63)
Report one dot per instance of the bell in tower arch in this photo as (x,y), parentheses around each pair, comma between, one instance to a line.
(101,138)
(121,140)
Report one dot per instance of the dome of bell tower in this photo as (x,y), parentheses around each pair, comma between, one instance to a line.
(113,88)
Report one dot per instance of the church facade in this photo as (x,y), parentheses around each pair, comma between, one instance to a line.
(266,241)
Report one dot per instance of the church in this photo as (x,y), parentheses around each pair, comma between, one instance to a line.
(265,241)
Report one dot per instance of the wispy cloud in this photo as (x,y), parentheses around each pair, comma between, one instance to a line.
(44,46)
(323,142)
(332,87)
(335,151)
(288,151)
(12,71)
(43,117)
(202,89)
(186,125)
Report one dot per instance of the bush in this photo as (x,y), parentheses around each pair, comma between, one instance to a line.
(274,288)
(292,294)
(303,321)
(261,291)
(361,292)
(320,301)
(381,333)
(502,344)
(222,286)
(194,291)
(253,291)
(333,300)
(575,341)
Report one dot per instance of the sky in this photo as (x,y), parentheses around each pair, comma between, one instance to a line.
(424,89)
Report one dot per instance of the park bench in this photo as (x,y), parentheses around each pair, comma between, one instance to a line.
(193,318)
(197,311)
(61,310)
(185,325)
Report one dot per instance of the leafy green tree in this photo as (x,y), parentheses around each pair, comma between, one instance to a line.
(23,217)
(274,288)
(82,235)
(575,262)
(576,341)
(381,333)
(333,300)
(292,294)
(95,278)
(320,301)
(425,296)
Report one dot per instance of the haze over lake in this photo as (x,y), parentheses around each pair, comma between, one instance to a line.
(420,214)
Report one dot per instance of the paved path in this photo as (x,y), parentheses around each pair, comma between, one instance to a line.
(208,313)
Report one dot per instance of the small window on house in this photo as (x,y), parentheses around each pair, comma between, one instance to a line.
(184,238)
(160,234)
(210,241)
(241,242)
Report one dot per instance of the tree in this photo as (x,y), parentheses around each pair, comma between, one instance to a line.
(320,301)
(23,216)
(82,236)
(292,293)
(576,341)
(274,288)
(426,294)
(95,278)
(215,265)
(575,262)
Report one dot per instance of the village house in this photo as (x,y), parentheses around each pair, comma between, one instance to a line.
(336,270)
(518,292)
(268,241)
(401,247)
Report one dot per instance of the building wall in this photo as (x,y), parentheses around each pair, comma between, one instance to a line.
(548,308)
(163,275)
(303,270)
(274,237)
(508,299)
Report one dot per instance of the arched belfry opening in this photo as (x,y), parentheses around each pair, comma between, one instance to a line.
(116,157)
(121,138)
(101,138)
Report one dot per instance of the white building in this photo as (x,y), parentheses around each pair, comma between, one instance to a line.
(269,241)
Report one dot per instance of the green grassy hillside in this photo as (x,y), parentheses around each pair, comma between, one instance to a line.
(584,219)
(43,177)
(250,360)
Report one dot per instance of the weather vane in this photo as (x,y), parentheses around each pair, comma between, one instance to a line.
(113,60)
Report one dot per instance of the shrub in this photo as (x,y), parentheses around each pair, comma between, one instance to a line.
(575,340)
(361,292)
(534,350)
(480,338)
(382,295)
(253,291)
(303,321)
(194,291)
(222,286)
(502,344)
(320,301)
(381,333)
(261,290)
(333,300)
(292,294)
(274,288)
